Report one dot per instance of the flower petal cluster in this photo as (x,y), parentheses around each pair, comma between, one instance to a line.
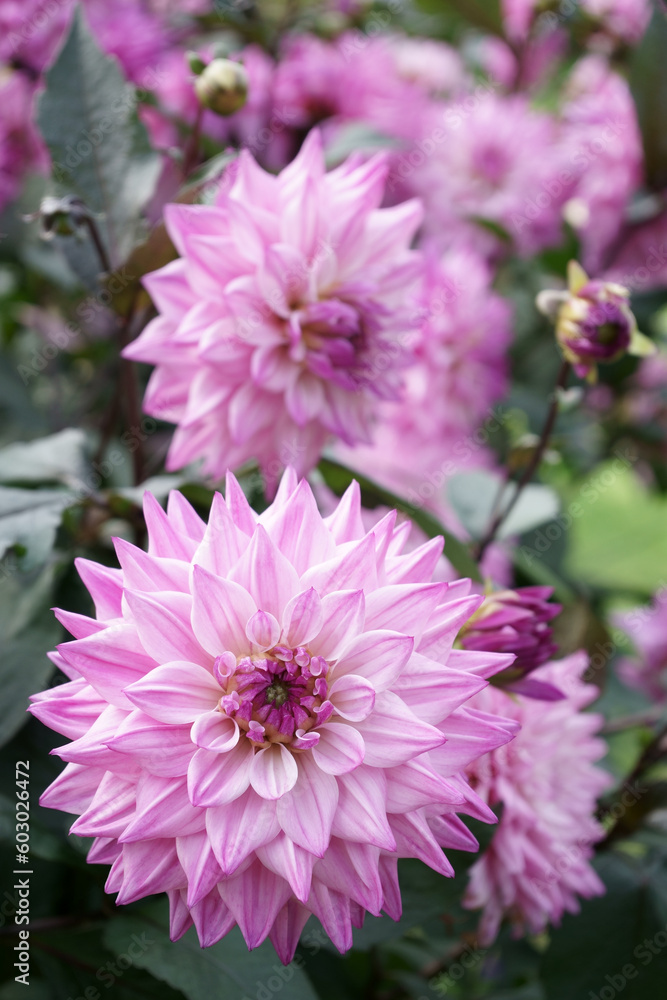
(594,322)
(267,713)
(647,627)
(517,621)
(288,316)
(538,861)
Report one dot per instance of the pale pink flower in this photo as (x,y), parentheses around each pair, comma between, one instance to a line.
(647,628)
(604,152)
(287,317)
(267,713)
(625,20)
(538,861)
(496,159)
(21,148)
(459,376)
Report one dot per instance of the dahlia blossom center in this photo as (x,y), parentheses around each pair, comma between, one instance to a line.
(276,698)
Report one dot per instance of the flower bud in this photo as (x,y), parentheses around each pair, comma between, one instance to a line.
(594,322)
(222,86)
(516,621)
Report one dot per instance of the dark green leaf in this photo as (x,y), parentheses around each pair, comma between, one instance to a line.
(99,149)
(227,969)
(28,630)
(338,478)
(612,943)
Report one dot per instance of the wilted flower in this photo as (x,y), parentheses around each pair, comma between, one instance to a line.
(267,713)
(538,861)
(287,317)
(594,322)
(517,621)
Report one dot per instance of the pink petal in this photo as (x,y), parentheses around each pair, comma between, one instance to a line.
(255,898)
(353,697)
(379,656)
(394,734)
(215,779)
(352,568)
(361,814)
(221,609)
(263,630)
(405,607)
(105,586)
(283,857)
(175,693)
(340,748)
(273,771)
(416,784)
(297,529)
(160,749)
(343,612)
(214,731)
(163,623)
(163,809)
(287,929)
(223,543)
(240,827)
(432,691)
(303,618)
(198,862)
(345,523)
(266,574)
(109,660)
(307,811)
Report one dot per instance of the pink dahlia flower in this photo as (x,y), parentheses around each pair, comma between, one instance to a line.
(267,713)
(491,157)
(21,149)
(517,621)
(604,152)
(538,861)
(647,627)
(287,317)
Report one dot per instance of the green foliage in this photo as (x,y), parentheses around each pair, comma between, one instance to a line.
(100,151)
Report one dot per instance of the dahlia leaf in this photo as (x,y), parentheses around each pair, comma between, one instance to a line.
(98,146)
(54,459)
(223,970)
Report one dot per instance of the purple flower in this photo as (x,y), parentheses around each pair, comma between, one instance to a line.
(517,621)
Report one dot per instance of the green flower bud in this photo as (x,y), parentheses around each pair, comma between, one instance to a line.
(222,86)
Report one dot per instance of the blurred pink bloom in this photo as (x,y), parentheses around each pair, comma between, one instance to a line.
(21,149)
(286,319)
(647,628)
(267,713)
(492,158)
(626,20)
(604,151)
(125,29)
(538,861)
(386,82)
(641,260)
(461,372)
(31,30)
